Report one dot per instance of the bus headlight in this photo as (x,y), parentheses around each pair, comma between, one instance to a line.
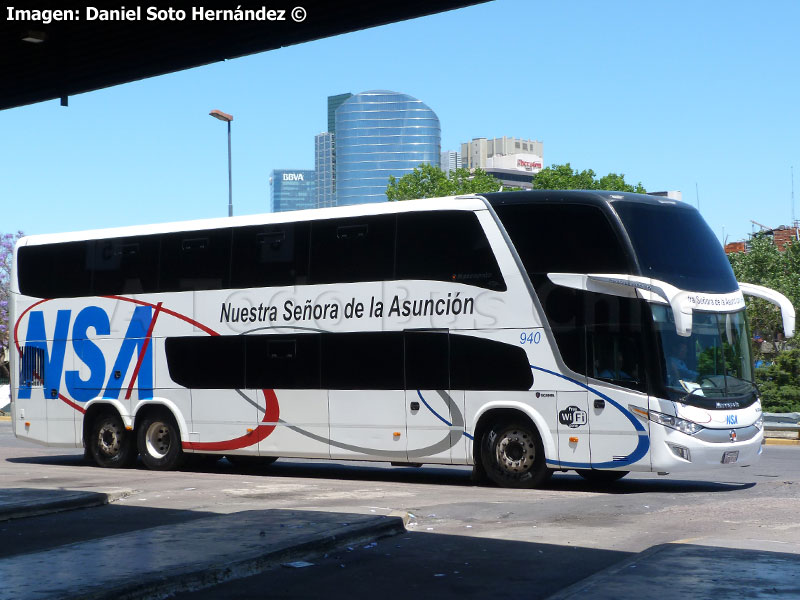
(682,425)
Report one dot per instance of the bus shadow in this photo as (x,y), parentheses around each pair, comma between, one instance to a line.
(461,476)
(632,485)
(455,476)
(51,459)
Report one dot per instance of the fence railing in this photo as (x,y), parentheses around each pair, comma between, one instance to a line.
(782,422)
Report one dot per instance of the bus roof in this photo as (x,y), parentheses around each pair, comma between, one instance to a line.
(588,197)
(467,202)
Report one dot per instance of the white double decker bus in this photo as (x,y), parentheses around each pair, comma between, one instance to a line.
(520,333)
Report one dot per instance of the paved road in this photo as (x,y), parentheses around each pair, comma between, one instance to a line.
(463,540)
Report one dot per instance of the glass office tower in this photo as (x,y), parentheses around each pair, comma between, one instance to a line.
(334,102)
(292,189)
(324,166)
(378,134)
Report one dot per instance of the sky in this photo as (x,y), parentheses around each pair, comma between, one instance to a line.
(700,97)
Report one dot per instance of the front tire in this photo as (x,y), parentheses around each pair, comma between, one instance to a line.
(110,444)
(159,442)
(512,455)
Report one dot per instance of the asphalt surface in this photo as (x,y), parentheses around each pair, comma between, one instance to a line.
(567,539)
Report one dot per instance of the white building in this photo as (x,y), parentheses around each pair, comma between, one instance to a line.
(514,161)
(450,161)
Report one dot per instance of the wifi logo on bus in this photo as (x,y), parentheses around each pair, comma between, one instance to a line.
(573,417)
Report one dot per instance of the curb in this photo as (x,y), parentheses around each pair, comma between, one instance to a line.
(781,442)
(200,576)
(580,588)
(5,418)
(66,501)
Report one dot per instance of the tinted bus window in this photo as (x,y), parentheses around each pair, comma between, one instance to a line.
(362,361)
(564,238)
(216,362)
(270,255)
(56,270)
(126,265)
(283,362)
(427,363)
(195,260)
(480,364)
(446,246)
(668,238)
(356,249)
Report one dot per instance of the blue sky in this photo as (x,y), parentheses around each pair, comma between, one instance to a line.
(679,95)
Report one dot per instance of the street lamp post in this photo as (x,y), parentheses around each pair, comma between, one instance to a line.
(218,114)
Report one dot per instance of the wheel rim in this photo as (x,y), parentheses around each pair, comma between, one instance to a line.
(109,439)
(158,439)
(516,452)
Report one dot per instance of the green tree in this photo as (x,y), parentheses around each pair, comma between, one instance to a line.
(428,181)
(763,264)
(7,241)
(779,383)
(564,177)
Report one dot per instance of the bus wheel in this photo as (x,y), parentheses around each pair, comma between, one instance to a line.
(110,444)
(159,442)
(512,454)
(598,476)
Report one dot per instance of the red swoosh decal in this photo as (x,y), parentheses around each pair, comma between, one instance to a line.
(271,415)
(253,437)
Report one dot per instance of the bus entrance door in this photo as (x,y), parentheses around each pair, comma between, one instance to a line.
(573,428)
(433,411)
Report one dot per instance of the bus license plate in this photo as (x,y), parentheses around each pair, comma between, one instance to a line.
(730,457)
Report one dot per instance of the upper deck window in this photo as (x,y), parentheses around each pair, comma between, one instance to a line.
(674,244)
(446,246)
(564,238)
(431,245)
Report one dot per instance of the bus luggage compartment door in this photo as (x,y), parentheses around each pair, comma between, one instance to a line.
(573,429)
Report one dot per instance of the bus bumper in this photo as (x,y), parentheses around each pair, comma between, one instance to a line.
(674,451)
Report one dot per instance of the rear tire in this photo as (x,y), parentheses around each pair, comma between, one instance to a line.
(512,455)
(598,476)
(110,444)
(159,442)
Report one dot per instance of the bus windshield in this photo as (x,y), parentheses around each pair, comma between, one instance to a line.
(711,364)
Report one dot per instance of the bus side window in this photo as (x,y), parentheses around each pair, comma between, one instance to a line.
(200,362)
(481,364)
(56,270)
(427,360)
(564,238)
(270,255)
(446,246)
(617,358)
(362,361)
(353,249)
(281,362)
(195,260)
(125,265)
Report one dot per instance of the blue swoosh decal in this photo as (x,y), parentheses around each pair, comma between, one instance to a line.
(440,417)
(644,440)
